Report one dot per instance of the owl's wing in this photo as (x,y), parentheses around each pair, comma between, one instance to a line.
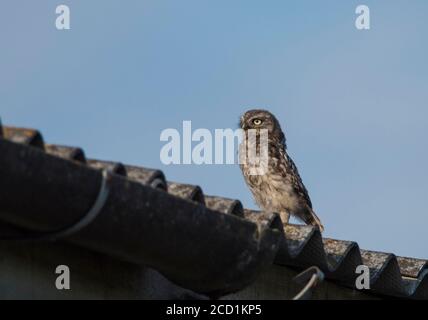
(296,181)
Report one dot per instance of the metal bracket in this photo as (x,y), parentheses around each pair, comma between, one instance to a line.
(312,277)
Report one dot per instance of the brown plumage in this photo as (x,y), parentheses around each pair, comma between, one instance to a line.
(280,189)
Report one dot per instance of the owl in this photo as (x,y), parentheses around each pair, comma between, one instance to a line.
(279,188)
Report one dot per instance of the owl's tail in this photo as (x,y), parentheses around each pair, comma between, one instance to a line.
(309,217)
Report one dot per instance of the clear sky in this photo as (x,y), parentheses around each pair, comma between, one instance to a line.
(353,103)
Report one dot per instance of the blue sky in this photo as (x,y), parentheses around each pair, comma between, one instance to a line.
(352,103)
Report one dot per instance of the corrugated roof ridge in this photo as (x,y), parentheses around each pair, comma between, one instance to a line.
(303,247)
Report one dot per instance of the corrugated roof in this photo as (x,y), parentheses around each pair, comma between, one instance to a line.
(209,244)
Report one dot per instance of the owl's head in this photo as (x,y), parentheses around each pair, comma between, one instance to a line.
(259,119)
(262,119)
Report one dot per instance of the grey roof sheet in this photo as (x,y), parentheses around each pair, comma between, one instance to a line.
(233,244)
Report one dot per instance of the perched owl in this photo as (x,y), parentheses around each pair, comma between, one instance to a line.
(280,188)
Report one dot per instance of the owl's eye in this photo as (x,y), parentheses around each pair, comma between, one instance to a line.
(257,122)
